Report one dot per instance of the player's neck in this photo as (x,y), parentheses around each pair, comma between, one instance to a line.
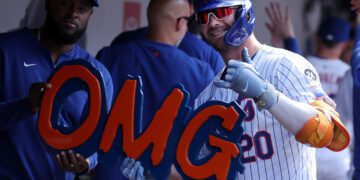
(251,43)
(329,54)
(55,48)
(160,36)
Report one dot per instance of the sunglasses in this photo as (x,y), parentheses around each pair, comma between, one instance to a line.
(218,13)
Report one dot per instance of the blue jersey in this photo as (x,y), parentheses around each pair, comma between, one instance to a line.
(23,61)
(160,66)
(355,67)
(190,44)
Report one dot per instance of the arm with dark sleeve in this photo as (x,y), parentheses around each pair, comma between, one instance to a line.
(292,45)
(217,62)
(11,112)
(355,61)
(355,68)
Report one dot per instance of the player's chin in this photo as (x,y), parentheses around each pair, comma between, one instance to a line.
(217,43)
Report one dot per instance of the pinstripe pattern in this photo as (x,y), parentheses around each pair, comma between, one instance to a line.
(290,159)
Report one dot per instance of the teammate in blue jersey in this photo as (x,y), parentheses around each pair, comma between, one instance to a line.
(355,68)
(190,44)
(159,63)
(27,59)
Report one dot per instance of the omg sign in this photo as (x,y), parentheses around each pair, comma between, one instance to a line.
(167,140)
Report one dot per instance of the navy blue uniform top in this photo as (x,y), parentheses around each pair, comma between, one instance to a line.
(160,66)
(355,67)
(23,61)
(190,44)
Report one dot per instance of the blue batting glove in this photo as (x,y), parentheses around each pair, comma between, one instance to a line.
(243,78)
(132,169)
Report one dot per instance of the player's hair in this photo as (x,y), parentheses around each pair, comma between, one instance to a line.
(329,44)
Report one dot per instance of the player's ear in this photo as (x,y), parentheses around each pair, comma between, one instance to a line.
(181,23)
(178,25)
(343,46)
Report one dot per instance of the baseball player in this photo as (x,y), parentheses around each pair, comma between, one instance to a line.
(27,59)
(190,44)
(287,111)
(159,63)
(331,44)
(355,64)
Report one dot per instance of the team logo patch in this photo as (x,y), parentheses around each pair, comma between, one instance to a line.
(309,73)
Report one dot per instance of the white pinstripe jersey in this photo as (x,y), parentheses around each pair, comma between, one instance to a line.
(269,150)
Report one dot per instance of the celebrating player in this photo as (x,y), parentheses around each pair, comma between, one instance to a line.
(288,113)
(26,58)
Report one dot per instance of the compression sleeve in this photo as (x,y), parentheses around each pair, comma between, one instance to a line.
(292,45)
(291,114)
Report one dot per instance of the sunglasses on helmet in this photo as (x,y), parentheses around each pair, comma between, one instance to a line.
(218,13)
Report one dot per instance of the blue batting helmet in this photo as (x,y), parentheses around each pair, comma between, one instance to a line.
(95,3)
(244,18)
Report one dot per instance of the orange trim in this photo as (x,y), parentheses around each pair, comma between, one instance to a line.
(317,132)
(341,137)
(219,164)
(157,133)
(54,137)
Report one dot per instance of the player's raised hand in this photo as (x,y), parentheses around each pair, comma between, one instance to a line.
(132,169)
(280,25)
(243,78)
(355,5)
(36,92)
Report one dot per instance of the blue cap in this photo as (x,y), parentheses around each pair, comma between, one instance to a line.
(95,3)
(334,29)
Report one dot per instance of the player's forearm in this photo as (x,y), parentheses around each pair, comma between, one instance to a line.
(291,114)
(12,112)
(318,124)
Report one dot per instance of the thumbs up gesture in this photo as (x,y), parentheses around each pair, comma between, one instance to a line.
(243,78)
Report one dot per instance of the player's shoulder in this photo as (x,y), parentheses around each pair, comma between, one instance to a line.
(117,50)
(344,66)
(213,93)
(280,54)
(14,33)
(129,36)
(199,67)
(193,44)
(193,41)
(286,59)
(83,54)
(15,38)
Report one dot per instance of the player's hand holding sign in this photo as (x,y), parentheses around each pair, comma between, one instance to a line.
(132,169)
(243,78)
